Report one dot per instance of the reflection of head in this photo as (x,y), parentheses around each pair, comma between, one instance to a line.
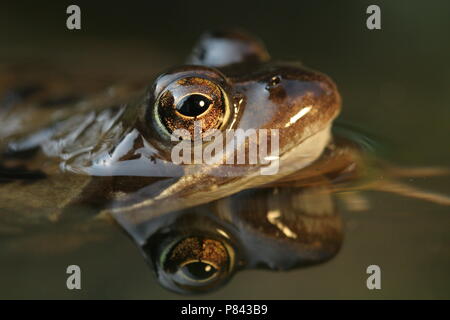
(199,249)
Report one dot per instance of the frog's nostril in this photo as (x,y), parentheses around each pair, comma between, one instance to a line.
(273,82)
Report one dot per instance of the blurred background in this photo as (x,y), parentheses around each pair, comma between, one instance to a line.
(394,83)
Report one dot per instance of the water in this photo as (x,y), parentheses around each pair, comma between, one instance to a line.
(394,83)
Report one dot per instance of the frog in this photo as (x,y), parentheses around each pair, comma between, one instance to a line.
(78,155)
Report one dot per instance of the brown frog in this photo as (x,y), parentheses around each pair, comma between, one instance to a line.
(197,222)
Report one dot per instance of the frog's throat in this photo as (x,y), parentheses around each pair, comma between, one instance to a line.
(133,218)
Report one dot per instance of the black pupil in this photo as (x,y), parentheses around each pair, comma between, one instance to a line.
(193,105)
(199,270)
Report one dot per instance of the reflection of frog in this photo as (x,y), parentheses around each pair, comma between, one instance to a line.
(112,153)
(200,248)
(230,84)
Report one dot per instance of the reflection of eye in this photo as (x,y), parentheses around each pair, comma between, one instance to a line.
(191,101)
(197,264)
(198,271)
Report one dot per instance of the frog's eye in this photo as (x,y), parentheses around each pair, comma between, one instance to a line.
(189,102)
(194,105)
(196,264)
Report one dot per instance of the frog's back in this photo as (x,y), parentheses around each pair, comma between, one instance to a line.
(33,100)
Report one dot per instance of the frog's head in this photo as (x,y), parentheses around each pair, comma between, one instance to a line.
(231,83)
(198,250)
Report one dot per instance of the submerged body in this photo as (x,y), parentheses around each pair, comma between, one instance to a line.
(67,150)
